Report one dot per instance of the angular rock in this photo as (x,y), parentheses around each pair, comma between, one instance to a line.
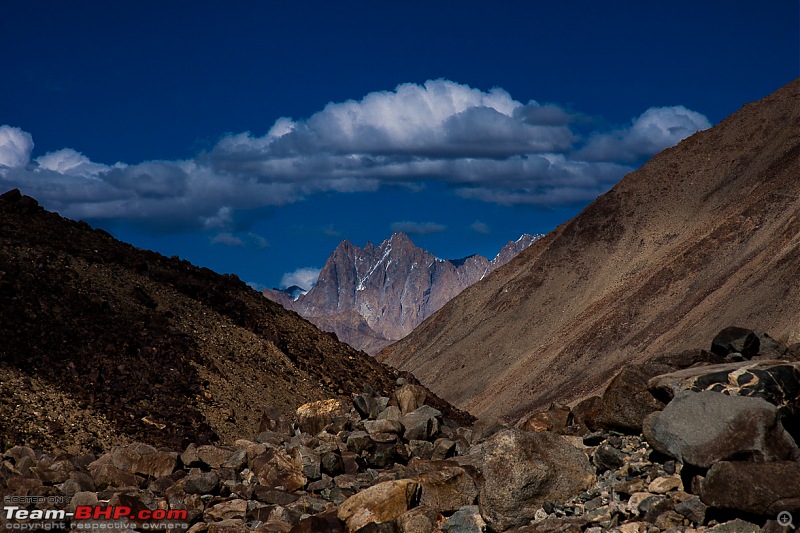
(664,484)
(383,426)
(468,519)
(555,419)
(366,405)
(358,441)
(693,509)
(627,400)
(420,519)
(140,458)
(523,470)
(421,423)
(701,428)
(421,449)
(446,486)
(202,483)
(410,398)
(311,460)
(104,474)
(735,526)
(390,413)
(734,339)
(314,416)
(606,457)
(17,453)
(383,502)
(442,449)
(759,488)
(587,411)
(228,525)
(277,468)
(331,463)
(228,509)
(324,522)
(213,456)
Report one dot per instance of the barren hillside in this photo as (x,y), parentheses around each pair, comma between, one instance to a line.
(705,235)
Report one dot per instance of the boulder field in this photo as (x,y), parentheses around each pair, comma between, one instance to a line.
(697,441)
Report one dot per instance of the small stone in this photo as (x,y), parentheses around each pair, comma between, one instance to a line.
(358,441)
(203,483)
(228,510)
(606,457)
(421,449)
(693,509)
(668,520)
(468,519)
(383,426)
(735,526)
(390,413)
(664,484)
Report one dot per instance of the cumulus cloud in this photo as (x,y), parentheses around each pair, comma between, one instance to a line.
(656,129)
(305,278)
(417,228)
(15,147)
(484,145)
(480,227)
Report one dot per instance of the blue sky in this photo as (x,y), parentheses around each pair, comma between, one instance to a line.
(252,137)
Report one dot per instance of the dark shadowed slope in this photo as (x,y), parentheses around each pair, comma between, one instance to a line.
(103,343)
(704,236)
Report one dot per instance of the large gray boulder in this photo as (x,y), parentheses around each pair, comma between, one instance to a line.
(701,428)
(523,470)
(758,488)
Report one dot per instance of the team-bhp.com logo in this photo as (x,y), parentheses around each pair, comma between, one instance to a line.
(94,517)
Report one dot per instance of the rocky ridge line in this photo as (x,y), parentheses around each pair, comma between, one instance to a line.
(375,295)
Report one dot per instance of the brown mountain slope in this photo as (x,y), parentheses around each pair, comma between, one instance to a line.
(103,343)
(703,236)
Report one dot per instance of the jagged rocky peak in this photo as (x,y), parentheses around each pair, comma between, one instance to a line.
(375,295)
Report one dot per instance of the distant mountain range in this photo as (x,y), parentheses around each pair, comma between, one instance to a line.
(375,295)
(704,236)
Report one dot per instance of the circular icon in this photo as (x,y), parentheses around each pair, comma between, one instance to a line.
(785,519)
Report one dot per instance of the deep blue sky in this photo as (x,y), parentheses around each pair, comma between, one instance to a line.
(165,82)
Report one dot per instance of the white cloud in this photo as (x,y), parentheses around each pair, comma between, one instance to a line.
(484,144)
(480,227)
(70,163)
(656,129)
(228,239)
(15,147)
(417,228)
(304,278)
